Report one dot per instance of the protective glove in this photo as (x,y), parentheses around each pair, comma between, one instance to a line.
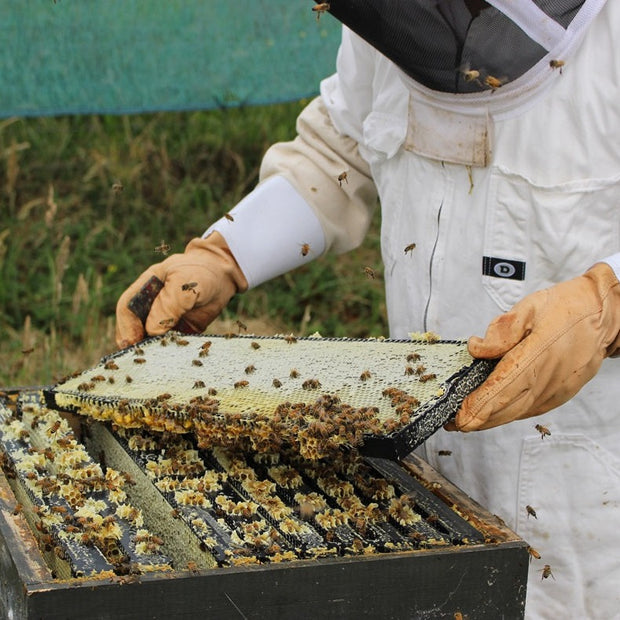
(197,286)
(551,343)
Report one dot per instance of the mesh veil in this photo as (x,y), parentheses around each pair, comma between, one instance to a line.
(437,41)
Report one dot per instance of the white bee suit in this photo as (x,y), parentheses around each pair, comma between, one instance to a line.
(549,198)
(503,192)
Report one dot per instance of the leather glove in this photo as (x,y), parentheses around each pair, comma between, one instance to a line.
(550,343)
(197,286)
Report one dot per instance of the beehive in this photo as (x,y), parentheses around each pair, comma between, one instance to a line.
(315,395)
(123,508)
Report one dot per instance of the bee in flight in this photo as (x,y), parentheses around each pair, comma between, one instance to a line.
(320,8)
(162,248)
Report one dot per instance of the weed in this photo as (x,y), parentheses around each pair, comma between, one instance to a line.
(84,200)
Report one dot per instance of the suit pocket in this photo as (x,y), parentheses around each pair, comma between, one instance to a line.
(551,233)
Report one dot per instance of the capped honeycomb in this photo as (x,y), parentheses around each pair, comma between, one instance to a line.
(112,502)
(315,395)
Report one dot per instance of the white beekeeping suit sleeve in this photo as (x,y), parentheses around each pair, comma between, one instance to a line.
(315,195)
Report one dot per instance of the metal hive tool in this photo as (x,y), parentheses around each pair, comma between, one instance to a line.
(314,394)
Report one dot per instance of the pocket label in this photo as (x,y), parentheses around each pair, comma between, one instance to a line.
(503,268)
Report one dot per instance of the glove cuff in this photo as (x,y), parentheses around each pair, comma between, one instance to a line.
(271,231)
(606,281)
(216,246)
(614,262)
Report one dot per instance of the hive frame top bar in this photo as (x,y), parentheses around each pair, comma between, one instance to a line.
(412,386)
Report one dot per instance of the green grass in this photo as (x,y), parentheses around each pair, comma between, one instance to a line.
(70,244)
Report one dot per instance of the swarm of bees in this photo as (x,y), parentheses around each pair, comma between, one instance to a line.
(80,511)
(315,421)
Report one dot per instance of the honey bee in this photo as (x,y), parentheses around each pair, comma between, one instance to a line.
(409,370)
(294,374)
(305,249)
(444,452)
(428,377)
(493,83)
(212,391)
(198,384)
(139,360)
(18,508)
(128,379)
(533,553)
(250,369)
(365,375)
(110,365)
(196,363)
(189,286)
(241,325)
(229,217)
(530,511)
(546,572)
(241,384)
(370,273)
(290,339)
(343,175)
(320,8)
(54,428)
(277,383)
(117,188)
(167,322)
(311,384)
(413,357)
(556,64)
(163,248)
(470,75)
(127,579)
(410,248)
(255,345)
(543,430)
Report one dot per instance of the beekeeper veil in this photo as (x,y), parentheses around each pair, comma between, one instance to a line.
(456,46)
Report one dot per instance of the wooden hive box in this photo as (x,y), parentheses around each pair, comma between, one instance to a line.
(448,556)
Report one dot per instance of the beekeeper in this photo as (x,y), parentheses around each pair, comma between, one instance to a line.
(491,134)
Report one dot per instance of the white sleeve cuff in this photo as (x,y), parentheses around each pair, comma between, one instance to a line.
(271,231)
(614,262)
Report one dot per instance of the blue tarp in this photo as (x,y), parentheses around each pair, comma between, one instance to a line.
(123,56)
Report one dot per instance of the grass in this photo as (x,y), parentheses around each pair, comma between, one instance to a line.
(70,243)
